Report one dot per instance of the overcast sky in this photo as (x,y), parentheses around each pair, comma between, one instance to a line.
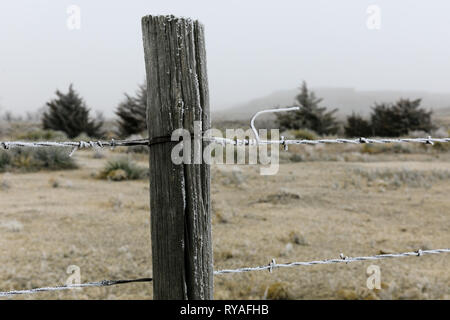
(253,47)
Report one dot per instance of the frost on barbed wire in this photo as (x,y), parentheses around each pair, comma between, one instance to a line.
(224,141)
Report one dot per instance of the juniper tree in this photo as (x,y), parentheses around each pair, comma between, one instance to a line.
(132,113)
(357,126)
(69,113)
(310,116)
(400,118)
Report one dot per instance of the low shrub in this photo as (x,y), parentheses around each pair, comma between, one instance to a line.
(53,159)
(441,147)
(122,169)
(369,148)
(36,159)
(83,137)
(42,135)
(5,160)
(303,134)
(396,178)
(277,291)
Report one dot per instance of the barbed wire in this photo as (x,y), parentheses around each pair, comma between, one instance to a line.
(285,143)
(75,145)
(271,266)
(104,283)
(223,141)
(362,140)
(343,259)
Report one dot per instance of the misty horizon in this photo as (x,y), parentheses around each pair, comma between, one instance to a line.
(253,49)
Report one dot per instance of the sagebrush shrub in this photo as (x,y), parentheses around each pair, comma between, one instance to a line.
(118,167)
(42,135)
(36,159)
(304,134)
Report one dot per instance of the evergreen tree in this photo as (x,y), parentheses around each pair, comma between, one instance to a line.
(69,113)
(400,118)
(132,113)
(310,116)
(357,127)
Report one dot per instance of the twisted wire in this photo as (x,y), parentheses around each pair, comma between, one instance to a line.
(75,145)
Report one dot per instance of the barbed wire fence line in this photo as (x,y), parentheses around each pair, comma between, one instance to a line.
(343,259)
(77,145)
(270,267)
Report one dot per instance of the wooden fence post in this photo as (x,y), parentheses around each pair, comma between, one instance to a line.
(175,60)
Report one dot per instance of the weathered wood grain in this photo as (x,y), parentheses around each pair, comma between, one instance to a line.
(177,83)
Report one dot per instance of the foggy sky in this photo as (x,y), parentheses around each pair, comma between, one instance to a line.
(253,48)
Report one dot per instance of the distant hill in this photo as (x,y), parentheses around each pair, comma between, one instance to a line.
(345,99)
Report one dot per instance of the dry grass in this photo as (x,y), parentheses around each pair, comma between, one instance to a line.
(309,210)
